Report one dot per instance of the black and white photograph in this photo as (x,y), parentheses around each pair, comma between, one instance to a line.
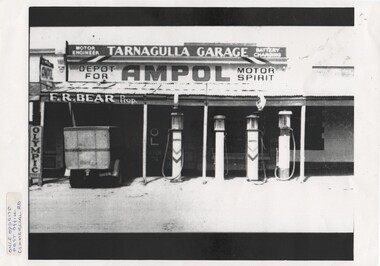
(196,129)
(192,133)
(196,132)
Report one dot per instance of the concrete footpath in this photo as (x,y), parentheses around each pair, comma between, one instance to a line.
(321,204)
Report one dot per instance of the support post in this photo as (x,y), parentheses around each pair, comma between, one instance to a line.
(30,112)
(219,128)
(302,148)
(72,115)
(145,132)
(42,114)
(204,148)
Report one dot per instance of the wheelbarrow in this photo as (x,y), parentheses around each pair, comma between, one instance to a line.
(93,151)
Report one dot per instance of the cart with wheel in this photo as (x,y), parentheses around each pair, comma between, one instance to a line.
(93,151)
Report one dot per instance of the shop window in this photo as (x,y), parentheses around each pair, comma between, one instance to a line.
(315,129)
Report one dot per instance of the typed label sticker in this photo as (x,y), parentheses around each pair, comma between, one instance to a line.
(14,224)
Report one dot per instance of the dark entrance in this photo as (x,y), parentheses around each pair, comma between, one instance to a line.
(128,118)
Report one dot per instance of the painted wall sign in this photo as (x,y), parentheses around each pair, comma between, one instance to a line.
(182,73)
(186,50)
(46,72)
(35,152)
(91,98)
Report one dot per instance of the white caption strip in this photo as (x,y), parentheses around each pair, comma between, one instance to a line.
(14,224)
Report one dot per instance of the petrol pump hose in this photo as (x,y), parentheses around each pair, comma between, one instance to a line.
(164,159)
(294,161)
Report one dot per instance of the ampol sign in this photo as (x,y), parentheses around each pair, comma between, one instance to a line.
(46,72)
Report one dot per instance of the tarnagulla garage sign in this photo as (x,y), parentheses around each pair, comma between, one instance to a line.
(197,50)
(242,63)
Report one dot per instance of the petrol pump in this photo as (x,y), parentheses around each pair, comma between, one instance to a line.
(177,158)
(252,155)
(177,153)
(219,127)
(283,151)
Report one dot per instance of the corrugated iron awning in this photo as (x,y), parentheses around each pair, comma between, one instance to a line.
(189,89)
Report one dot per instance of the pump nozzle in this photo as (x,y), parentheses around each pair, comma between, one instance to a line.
(261,101)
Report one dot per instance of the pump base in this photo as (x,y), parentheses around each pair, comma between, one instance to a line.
(283,173)
(251,179)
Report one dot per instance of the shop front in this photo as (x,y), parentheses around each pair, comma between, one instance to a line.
(144,89)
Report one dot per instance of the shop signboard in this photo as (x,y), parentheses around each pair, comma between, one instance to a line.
(174,72)
(188,50)
(91,98)
(176,64)
(35,152)
(46,72)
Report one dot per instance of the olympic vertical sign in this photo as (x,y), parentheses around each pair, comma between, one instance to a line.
(35,152)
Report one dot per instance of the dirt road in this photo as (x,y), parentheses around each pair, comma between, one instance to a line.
(322,204)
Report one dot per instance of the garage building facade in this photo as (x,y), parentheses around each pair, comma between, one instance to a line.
(136,86)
